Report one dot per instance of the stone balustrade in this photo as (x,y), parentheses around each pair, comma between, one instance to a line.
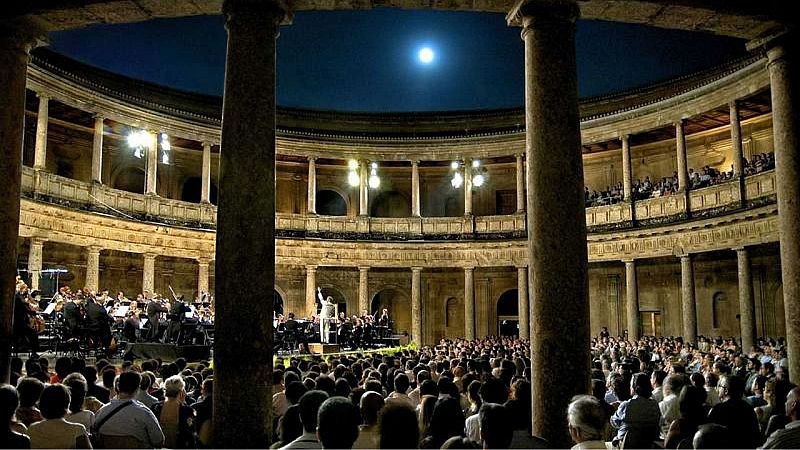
(43,186)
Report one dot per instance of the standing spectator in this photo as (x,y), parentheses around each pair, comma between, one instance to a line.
(54,431)
(9,401)
(496,426)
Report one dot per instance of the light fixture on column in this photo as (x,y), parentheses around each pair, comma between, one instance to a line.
(374,180)
(478,173)
(478,180)
(138,140)
(457,179)
(352,177)
(165,148)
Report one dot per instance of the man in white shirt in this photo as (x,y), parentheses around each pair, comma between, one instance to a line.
(669,406)
(135,421)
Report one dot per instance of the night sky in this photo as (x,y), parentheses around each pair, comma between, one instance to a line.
(367,60)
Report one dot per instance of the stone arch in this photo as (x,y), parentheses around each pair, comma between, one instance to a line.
(338,297)
(398,303)
(507,308)
(391,204)
(332,202)
(453,317)
(280,300)
(191,190)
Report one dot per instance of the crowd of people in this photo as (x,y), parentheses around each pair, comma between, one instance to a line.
(457,394)
(647,188)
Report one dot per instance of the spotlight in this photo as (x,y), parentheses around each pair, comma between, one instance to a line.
(353,179)
(454,165)
(374,181)
(165,142)
(457,180)
(164,158)
(138,140)
(478,180)
(374,165)
(476,163)
(353,164)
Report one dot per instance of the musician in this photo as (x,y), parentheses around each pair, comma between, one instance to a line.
(296,329)
(98,322)
(384,320)
(131,325)
(73,314)
(326,314)
(176,315)
(154,311)
(24,317)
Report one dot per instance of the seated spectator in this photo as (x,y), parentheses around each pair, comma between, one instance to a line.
(9,401)
(309,408)
(289,427)
(586,420)
(92,388)
(29,390)
(788,437)
(757,399)
(735,413)
(143,395)
(447,421)
(54,431)
(496,428)
(175,416)
(692,414)
(669,406)
(77,391)
(371,404)
(639,415)
(203,409)
(337,423)
(398,395)
(126,422)
(492,391)
(712,435)
(398,426)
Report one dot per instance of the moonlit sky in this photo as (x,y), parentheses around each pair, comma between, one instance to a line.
(368,60)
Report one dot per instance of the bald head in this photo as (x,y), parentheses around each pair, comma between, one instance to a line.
(793,404)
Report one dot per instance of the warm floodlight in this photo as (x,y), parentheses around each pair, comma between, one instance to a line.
(353,164)
(353,179)
(454,165)
(476,163)
(457,180)
(478,180)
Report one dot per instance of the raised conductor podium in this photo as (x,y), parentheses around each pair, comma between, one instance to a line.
(319,348)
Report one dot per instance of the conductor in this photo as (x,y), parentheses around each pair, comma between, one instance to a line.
(326,314)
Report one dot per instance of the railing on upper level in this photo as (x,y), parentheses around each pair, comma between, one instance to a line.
(758,189)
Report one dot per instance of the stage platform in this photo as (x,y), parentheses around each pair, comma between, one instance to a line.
(167,352)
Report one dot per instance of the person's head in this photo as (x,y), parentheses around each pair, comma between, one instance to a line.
(175,388)
(496,426)
(447,421)
(640,385)
(758,385)
(586,419)
(109,374)
(294,391)
(493,391)
(54,401)
(77,391)
(337,423)
(29,390)
(712,435)
(309,407)
(398,427)
(793,404)
(657,378)
(673,384)
(9,402)
(690,402)
(731,387)
(128,383)
(63,367)
(371,404)
(401,383)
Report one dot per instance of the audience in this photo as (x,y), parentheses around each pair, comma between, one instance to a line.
(337,423)
(9,402)
(54,431)
(124,421)
(587,420)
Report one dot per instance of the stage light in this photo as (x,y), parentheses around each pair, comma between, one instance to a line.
(352,164)
(454,165)
(353,179)
(476,163)
(478,180)
(457,180)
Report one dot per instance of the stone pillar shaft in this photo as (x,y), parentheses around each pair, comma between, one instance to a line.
(469,303)
(97,150)
(556,217)
(363,189)
(205,191)
(416,306)
(520,183)
(688,303)
(783,76)
(148,273)
(627,170)
(151,163)
(632,300)
(246,227)
(415,201)
(747,306)
(736,140)
(93,268)
(17,38)
(523,303)
(680,147)
(40,147)
(312,185)
(35,262)
(203,265)
(363,290)
(468,187)
(311,291)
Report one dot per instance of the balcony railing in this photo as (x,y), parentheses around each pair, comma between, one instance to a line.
(43,186)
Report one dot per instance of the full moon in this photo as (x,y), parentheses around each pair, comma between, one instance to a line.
(425,55)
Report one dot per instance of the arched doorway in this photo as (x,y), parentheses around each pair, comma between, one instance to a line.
(278,302)
(331,203)
(399,306)
(391,204)
(508,313)
(192,190)
(130,180)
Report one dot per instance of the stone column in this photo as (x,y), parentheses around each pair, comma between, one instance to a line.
(148,273)
(151,158)
(523,304)
(469,303)
(627,170)
(467,187)
(35,262)
(312,184)
(416,306)
(363,290)
(632,300)
(205,190)
(93,267)
(97,150)
(688,302)
(203,265)
(415,203)
(246,226)
(738,151)
(783,75)
(556,217)
(40,147)
(520,183)
(747,305)
(17,38)
(363,189)
(683,164)
(311,291)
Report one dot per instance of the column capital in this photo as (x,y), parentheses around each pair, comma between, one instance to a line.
(24,33)
(415,162)
(150,255)
(629,260)
(469,269)
(312,158)
(519,155)
(684,256)
(311,268)
(772,41)
(521,267)
(93,249)
(207,144)
(98,116)
(280,9)
(625,137)
(43,95)
(37,240)
(203,260)
(363,268)
(416,269)
(538,9)
(679,122)
(740,249)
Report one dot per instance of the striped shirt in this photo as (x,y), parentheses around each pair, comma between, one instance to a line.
(788,437)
